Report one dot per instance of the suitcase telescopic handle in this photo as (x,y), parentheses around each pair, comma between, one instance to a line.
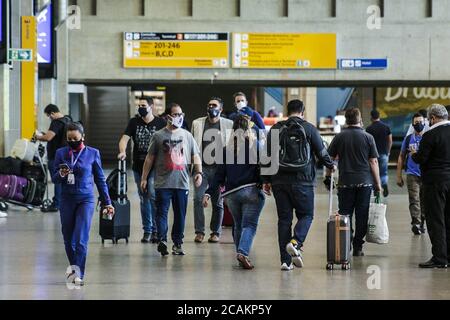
(121,180)
(330,201)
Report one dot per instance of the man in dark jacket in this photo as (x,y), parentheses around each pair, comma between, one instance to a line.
(434,159)
(293,189)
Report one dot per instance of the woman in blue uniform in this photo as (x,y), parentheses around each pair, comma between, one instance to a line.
(77,168)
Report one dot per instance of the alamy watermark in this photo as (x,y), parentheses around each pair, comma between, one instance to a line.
(374,280)
(73,21)
(374,19)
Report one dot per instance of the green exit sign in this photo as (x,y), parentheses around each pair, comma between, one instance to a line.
(20,54)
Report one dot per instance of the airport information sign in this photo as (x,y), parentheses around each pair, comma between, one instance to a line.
(175,50)
(284,50)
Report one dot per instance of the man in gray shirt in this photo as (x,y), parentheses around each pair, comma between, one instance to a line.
(357,154)
(171,152)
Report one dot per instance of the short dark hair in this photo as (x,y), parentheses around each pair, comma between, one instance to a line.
(217,99)
(295,106)
(170,106)
(416,115)
(375,114)
(353,116)
(423,112)
(51,108)
(148,99)
(75,126)
(238,94)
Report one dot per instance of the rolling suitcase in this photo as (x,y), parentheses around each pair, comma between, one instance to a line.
(227,220)
(338,237)
(119,226)
(13,187)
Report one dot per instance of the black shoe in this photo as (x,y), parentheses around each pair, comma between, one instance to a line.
(49,209)
(146,238)
(162,248)
(358,252)
(416,229)
(385,191)
(431,264)
(177,250)
(154,237)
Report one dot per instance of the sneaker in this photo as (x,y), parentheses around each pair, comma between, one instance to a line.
(78,281)
(177,250)
(287,267)
(52,209)
(416,229)
(358,252)
(154,237)
(295,252)
(162,248)
(244,261)
(70,277)
(214,238)
(3,214)
(146,238)
(199,237)
(385,191)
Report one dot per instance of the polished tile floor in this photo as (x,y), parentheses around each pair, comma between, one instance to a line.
(33,262)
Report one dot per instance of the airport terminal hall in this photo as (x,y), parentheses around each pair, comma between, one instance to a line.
(259,154)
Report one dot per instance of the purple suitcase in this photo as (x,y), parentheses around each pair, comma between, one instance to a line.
(12,187)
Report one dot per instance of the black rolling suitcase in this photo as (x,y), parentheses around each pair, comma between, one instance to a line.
(119,226)
(338,237)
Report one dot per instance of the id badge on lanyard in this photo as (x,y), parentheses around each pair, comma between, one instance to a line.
(71,175)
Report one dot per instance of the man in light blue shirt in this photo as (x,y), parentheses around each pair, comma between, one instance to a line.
(413,175)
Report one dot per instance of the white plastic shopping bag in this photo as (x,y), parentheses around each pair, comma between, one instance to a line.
(377,231)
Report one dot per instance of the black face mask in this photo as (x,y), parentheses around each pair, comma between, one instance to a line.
(75,145)
(213,112)
(143,112)
(419,127)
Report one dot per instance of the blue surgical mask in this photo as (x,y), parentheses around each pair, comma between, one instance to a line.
(177,122)
(213,112)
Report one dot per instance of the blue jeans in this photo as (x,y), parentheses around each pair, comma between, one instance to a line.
(290,197)
(245,206)
(76,217)
(216,201)
(383,160)
(179,198)
(57,193)
(147,201)
(356,200)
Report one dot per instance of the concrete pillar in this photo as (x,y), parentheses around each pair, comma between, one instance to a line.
(62,58)
(47,95)
(309,98)
(4,106)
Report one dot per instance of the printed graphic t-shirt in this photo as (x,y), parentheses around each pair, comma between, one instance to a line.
(141,134)
(411,167)
(173,151)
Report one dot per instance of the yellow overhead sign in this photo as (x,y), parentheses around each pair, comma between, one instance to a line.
(175,50)
(284,50)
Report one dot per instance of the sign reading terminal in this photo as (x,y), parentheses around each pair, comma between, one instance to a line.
(175,50)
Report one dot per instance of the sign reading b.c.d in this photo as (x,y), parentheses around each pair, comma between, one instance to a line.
(20,55)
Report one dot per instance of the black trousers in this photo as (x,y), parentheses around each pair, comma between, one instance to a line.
(437,214)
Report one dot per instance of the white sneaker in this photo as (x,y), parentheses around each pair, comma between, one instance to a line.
(295,253)
(3,214)
(286,267)
(70,276)
(78,281)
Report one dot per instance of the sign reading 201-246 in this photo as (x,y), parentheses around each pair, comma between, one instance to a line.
(167,45)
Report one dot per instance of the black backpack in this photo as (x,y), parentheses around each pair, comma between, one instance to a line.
(295,148)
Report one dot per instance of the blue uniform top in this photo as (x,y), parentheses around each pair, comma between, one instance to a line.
(87,170)
(411,167)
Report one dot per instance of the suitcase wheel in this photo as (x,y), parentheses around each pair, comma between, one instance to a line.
(329,266)
(126,239)
(346,266)
(103,241)
(114,240)
(3,206)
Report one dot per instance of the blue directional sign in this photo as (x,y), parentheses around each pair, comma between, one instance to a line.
(355,64)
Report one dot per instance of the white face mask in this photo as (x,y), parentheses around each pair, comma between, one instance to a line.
(177,121)
(241,105)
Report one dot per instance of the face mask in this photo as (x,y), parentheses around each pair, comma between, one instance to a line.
(75,145)
(176,122)
(143,112)
(213,112)
(419,127)
(240,105)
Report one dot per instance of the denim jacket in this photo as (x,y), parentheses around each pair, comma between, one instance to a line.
(87,171)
